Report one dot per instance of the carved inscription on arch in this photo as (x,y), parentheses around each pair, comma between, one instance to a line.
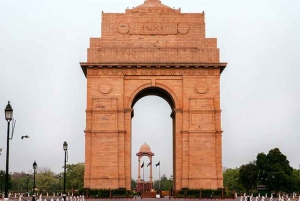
(105,104)
(105,113)
(153,28)
(103,121)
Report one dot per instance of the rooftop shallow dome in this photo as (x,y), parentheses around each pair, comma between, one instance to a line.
(145,148)
(153,4)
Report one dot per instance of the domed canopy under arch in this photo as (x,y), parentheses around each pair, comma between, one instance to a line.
(145,150)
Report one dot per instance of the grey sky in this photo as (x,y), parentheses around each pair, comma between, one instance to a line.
(42,43)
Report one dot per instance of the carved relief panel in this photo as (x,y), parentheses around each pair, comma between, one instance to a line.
(105,104)
(104,114)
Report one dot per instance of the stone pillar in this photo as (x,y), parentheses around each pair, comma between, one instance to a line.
(177,150)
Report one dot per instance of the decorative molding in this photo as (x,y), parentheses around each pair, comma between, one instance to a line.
(201,87)
(123,28)
(108,131)
(202,132)
(194,68)
(105,88)
(183,28)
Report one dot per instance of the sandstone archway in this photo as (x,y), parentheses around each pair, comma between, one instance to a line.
(153,49)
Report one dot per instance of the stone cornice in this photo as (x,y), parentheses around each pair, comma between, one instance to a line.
(152,65)
(105,131)
(205,132)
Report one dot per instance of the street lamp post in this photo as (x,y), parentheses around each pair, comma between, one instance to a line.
(34,171)
(65,147)
(8,116)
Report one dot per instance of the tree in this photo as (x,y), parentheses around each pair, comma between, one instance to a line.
(2,181)
(46,180)
(231,180)
(133,184)
(296,180)
(19,182)
(165,183)
(248,176)
(275,171)
(75,176)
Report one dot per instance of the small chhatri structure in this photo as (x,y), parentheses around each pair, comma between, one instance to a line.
(143,186)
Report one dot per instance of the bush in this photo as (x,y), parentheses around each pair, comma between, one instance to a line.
(93,193)
(205,193)
(122,193)
(99,193)
(229,194)
(209,193)
(105,193)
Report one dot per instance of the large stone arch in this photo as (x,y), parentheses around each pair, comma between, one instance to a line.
(153,46)
(159,90)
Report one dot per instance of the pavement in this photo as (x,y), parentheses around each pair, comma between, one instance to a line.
(144,199)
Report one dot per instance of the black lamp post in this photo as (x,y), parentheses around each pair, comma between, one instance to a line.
(8,117)
(65,146)
(33,191)
(27,182)
(59,177)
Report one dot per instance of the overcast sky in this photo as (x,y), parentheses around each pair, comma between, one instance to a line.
(42,43)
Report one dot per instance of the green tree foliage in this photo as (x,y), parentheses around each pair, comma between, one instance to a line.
(248,176)
(46,180)
(19,182)
(165,183)
(271,170)
(133,184)
(296,180)
(231,180)
(2,178)
(75,176)
(275,171)
(2,181)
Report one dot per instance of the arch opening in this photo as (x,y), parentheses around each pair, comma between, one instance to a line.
(154,91)
(152,124)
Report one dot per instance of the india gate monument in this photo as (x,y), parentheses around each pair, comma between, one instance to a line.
(153,49)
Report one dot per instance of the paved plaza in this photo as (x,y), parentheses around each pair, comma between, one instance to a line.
(144,199)
(148,199)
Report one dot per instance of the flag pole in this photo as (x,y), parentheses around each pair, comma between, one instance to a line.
(159,177)
(143,178)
